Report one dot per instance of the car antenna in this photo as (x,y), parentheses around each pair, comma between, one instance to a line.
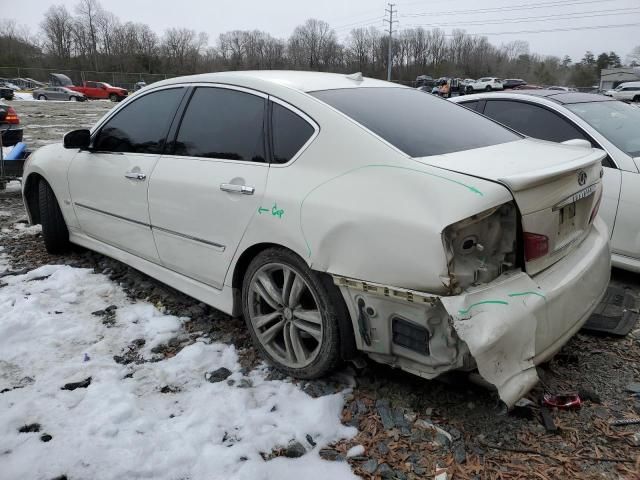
(356,77)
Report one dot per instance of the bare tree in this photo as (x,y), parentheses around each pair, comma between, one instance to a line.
(87,24)
(313,44)
(57,29)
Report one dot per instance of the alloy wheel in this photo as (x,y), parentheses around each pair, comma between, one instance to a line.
(284,313)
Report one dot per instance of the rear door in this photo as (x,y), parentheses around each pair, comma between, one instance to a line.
(109,182)
(539,122)
(204,193)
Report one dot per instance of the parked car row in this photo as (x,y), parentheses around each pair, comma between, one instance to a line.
(335,229)
(628,92)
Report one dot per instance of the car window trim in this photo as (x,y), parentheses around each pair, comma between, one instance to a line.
(192,87)
(557,114)
(96,131)
(301,114)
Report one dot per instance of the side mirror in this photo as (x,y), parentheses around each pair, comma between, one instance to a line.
(77,139)
(578,142)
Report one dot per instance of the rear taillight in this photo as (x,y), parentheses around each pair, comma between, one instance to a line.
(12,116)
(535,246)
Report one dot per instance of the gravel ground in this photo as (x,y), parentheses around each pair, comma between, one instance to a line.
(409,427)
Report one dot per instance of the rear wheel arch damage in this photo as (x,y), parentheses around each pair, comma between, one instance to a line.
(320,281)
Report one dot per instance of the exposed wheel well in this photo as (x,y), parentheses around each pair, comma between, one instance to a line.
(348,348)
(31,197)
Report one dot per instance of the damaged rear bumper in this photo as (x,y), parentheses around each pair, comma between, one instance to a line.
(504,328)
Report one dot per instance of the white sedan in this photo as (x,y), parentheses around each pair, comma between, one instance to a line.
(289,198)
(597,121)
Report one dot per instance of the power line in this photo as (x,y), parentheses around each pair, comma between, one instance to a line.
(528,6)
(549,30)
(368,22)
(561,16)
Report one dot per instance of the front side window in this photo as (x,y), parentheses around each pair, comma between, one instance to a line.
(290,133)
(141,126)
(223,123)
(92,85)
(532,120)
(616,121)
(419,125)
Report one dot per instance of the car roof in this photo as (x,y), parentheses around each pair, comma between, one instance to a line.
(559,96)
(297,80)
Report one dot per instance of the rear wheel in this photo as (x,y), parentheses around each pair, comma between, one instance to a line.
(113,97)
(42,97)
(54,228)
(290,315)
(488,88)
(636,99)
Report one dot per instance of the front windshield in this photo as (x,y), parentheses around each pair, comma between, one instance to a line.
(618,122)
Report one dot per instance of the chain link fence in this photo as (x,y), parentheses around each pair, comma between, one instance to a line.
(29,78)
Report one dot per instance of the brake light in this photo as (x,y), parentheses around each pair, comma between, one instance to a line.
(596,207)
(12,116)
(535,246)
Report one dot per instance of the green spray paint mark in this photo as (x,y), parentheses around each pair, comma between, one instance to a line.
(471,188)
(275,211)
(493,302)
(522,294)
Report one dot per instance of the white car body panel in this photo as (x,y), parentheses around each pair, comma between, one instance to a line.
(356,207)
(102,196)
(621,185)
(482,84)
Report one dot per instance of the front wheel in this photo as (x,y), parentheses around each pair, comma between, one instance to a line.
(636,99)
(41,97)
(54,228)
(113,97)
(73,99)
(488,88)
(290,314)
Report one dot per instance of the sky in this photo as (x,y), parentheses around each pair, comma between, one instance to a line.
(495,18)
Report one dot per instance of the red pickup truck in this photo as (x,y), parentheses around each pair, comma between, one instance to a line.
(100,90)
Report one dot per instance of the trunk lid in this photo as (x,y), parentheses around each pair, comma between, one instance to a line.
(556,188)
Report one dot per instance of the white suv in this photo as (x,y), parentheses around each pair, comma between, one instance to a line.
(628,92)
(487,83)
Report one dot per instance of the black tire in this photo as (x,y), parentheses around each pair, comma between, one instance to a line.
(54,228)
(488,88)
(42,97)
(636,99)
(113,97)
(328,354)
(73,98)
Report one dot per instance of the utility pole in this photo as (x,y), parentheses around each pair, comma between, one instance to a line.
(390,21)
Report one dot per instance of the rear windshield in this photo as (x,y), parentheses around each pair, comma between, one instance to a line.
(416,122)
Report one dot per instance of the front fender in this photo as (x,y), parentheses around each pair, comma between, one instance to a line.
(52,164)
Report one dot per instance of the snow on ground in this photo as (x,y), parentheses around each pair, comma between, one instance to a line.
(121,425)
(23,96)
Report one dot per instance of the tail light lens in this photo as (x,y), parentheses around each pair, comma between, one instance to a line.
(482,247)
(12,116)
(535,246)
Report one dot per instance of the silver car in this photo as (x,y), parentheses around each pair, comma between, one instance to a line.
(58,93)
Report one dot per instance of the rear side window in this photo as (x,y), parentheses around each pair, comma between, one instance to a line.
(141,126)
(290,133)
(222,123)
(473,105)
(420,125)
(532,120)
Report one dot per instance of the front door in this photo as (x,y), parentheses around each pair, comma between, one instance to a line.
(203,195)
(109,182)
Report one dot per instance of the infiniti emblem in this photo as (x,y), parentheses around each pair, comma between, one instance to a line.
(582,177)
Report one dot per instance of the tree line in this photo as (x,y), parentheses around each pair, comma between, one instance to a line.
(92,38)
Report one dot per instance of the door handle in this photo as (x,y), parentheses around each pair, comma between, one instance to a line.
(135,175)
(233,188)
